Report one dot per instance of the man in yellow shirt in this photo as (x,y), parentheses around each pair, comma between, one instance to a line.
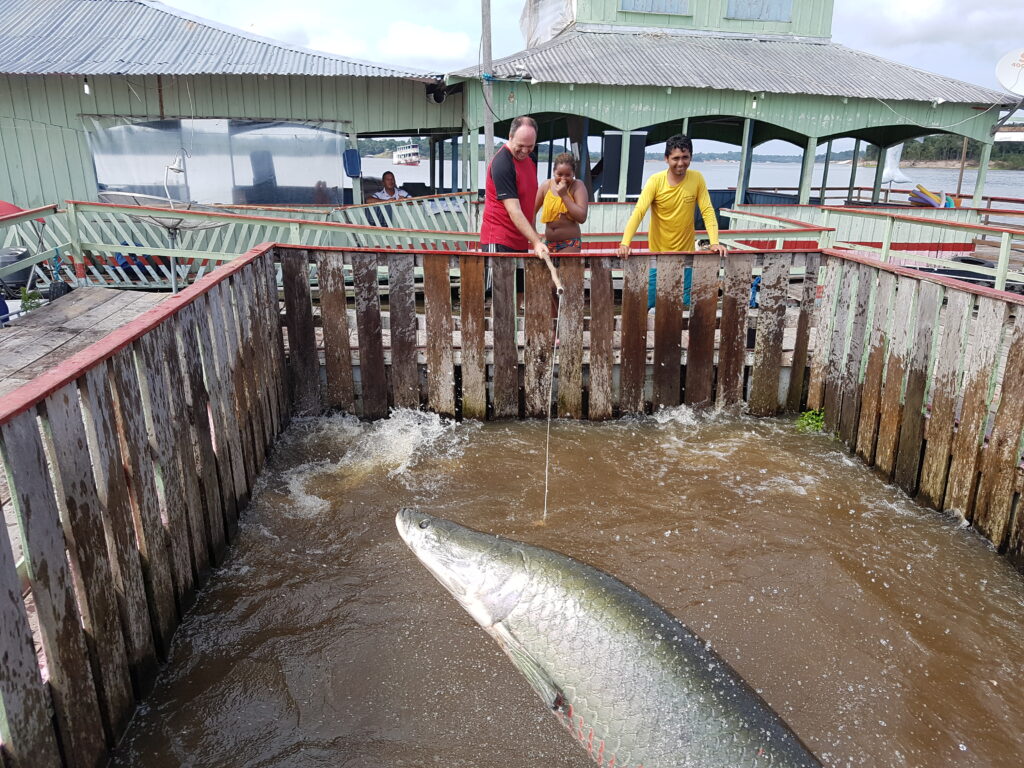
(673,195)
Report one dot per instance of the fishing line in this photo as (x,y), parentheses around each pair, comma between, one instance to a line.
(551,389)
(551,379)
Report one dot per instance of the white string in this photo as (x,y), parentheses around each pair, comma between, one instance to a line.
(551,389)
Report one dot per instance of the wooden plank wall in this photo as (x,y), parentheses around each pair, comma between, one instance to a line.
(478,343)
(924,379)
(127,476)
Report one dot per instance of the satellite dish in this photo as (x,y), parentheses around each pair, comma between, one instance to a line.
(1010,71)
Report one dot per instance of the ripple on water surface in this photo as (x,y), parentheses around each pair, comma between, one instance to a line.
(885,634)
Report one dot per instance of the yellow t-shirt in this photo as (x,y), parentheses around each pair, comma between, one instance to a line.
(672,212)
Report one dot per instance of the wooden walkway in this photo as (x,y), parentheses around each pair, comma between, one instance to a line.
(44,338)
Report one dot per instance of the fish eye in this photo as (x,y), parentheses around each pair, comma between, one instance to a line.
(424,523)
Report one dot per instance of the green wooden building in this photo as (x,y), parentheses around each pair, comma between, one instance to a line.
(737,71)
(71,67)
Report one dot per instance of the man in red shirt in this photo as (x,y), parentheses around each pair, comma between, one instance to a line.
(509,195)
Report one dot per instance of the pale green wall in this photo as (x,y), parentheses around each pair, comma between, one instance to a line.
(44,157)
(811,18)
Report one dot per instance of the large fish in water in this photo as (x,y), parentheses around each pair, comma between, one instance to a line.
(631,683)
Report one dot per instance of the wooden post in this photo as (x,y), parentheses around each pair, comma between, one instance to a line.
(876,188)
(474,164)
(963,164)
(624,166)
(487,91)
(807,170)
(746,158)
(357,182)
(823,189)
(853,170)
(979,184)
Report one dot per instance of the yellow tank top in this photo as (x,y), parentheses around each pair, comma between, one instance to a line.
(553,206)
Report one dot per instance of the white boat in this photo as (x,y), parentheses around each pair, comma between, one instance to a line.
(408,154)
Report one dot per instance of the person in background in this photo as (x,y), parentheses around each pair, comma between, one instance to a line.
(390,191)
(510,193)
(673,196)
(562,202)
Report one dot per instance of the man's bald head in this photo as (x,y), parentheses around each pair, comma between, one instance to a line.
(522,137)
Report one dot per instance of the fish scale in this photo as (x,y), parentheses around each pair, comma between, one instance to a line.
(630,682)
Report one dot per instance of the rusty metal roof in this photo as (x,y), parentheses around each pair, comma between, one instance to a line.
(609,56)
(145,37)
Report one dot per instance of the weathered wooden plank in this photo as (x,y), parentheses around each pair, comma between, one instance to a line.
(204,458)
(602,322)
(732,348)
(871,387)
(371,339)
(234,371)
(700,349)
(539,335)
(138,466)
(838,345)
(570,343)
(268,343)
(72,689)
(668,333)
(851,377)
(771,318)
(277,329)
(474,360)
(303,363)
(405,377)
(26,729)
(824,318)
(87,547)
(154,389)
(908,455)
(230,468)
(503,324)
(437,293)
(220,369)
(633,369)
(340,390)
(944,391)
(1001,455)
(258,351)
(112,489)
(986,336)
(249,362)
(891,398)
(801,344)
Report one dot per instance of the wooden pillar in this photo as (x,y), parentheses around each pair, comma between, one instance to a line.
(746,157)
(440,167)
(474,161)
(876,187)
(551,151)
(623,166)
(465,158)
(807,170)
(979,184)
(824,174)
(455,163)
(686,126)
(853,170)
(433,164)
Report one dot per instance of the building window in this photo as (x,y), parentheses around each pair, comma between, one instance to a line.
(760,10)
(678,7)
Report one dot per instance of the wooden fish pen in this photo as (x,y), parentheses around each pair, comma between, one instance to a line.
(130,464)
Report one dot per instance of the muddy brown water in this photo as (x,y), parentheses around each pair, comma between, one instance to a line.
(884,633)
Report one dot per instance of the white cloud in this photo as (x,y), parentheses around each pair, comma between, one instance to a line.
(405,40)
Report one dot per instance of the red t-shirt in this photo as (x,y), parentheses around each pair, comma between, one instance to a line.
(508,178)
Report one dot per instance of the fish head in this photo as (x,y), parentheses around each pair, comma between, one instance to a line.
(486,574)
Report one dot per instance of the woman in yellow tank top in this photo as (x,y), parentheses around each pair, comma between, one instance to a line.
(562,202)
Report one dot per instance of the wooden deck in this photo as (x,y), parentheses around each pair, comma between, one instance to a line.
(44,338)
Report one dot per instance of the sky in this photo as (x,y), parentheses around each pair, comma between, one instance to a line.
(963,39)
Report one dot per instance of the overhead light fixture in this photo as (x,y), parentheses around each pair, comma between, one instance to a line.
(85,86)
(753,102)
(937,101)
(534,81)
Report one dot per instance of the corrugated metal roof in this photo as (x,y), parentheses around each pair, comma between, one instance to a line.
(144,37)
(645,58)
